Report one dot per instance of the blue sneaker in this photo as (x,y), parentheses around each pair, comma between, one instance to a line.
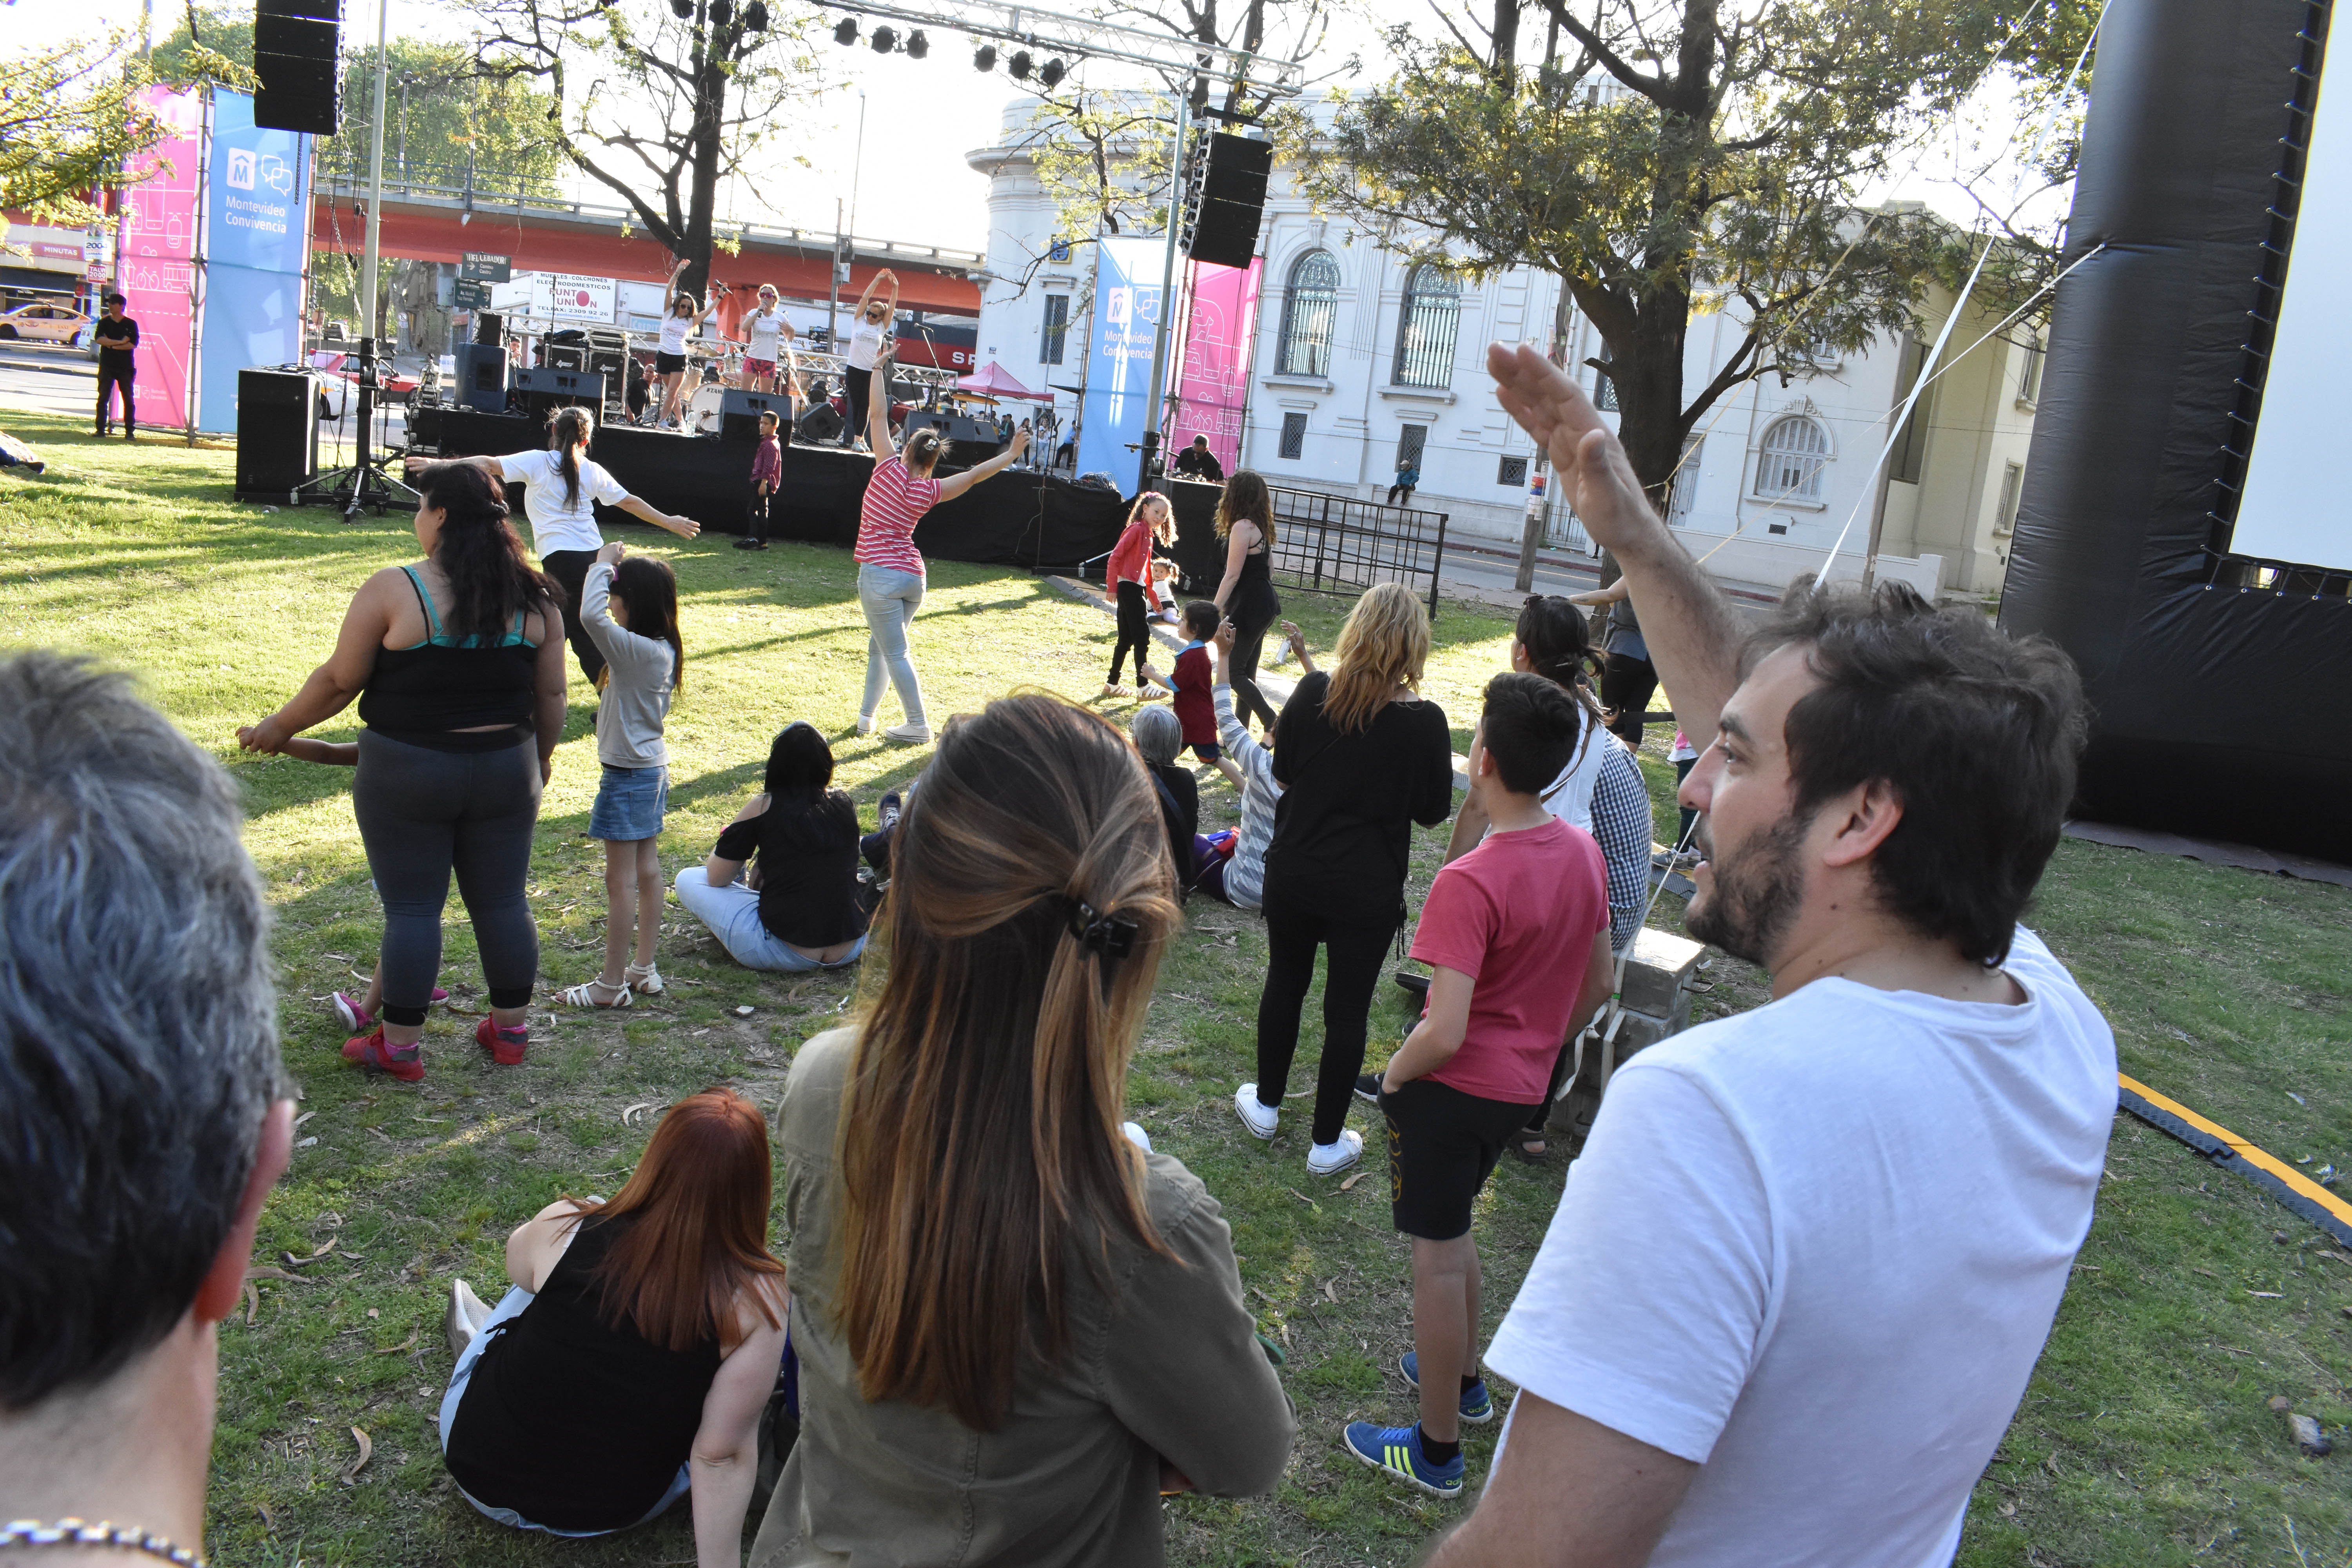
(1476,1409)
(1397,1451)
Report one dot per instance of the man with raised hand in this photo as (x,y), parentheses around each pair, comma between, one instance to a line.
(142,1118)
(1801,1275)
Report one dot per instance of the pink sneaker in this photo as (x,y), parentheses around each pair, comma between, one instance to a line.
(358,1018)
(371,1053)
(505,1046)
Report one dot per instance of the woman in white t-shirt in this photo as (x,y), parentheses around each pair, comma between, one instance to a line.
(684,320)
(767,341)
(561,486)
(869,329)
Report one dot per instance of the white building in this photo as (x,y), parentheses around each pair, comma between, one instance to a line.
(1363,358)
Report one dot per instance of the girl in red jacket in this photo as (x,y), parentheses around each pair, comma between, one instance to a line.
(1128,579)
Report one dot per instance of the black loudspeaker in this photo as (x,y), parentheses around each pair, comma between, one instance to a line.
(487,327)
(295,45)
(482,377)
(739,411)
(550,387)
(822,423)
(277,433)
(1233,200)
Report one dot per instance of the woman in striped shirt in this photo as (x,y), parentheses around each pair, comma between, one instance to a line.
(889,567)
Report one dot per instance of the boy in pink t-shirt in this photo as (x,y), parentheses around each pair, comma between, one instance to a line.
(1518,933)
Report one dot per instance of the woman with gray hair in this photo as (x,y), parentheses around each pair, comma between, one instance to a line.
(1159,735)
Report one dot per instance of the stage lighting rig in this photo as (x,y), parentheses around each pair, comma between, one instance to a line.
(918,46)
(1052,73)
(1035,32)
(885,40)
(844,34)
(983,58)
(1019,65)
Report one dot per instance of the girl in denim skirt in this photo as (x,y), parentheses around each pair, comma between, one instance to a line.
(631,609)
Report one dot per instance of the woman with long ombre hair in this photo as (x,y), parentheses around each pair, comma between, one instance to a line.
(632,1357)
(1245,523)
(1015,1327)
(1361,757)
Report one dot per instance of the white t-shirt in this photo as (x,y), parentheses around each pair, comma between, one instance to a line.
(764,329)
(1569,796)
(673,333)
(865,344)
(556,523)
(1816,1249)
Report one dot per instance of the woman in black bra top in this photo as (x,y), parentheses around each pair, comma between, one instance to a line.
(1245,523)
(458,663)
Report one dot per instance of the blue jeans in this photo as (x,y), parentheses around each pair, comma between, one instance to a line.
(733,913)
(889,598)
(511,1306)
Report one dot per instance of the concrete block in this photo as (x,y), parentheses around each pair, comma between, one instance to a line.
(1657,969)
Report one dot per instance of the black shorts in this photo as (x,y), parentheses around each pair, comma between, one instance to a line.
(668,365)
(1443,1145)
(1207,751)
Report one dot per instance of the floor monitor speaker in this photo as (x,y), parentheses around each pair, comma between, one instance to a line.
(739,411)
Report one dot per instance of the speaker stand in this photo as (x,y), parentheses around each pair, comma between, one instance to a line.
(364,484)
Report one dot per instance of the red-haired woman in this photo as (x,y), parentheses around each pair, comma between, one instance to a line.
(637,1348)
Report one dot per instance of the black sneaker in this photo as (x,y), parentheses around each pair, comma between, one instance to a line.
(887,816)
(1367,1088)
(748,542)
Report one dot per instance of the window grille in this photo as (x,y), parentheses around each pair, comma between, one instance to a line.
(1293,436)
(1512,471)
(1050,345)
(1796,449)
(1426,328)
(1310,314)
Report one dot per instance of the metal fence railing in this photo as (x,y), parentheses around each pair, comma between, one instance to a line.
(1330,544)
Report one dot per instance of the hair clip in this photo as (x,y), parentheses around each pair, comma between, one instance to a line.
(1110,936)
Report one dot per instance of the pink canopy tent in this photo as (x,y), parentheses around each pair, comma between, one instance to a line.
(992,380)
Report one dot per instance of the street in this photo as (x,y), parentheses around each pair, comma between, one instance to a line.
(49,379)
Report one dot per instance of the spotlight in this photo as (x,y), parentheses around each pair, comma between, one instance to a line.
(684,9)
(721,12)
(844,35)
(918,46)
(1019,65)
(1053,72)
(755,17)
(885,40)
(983,58)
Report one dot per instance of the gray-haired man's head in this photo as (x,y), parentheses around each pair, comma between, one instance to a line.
(1159,735)
(138,1032)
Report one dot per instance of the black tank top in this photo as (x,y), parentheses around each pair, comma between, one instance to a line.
(568,1421)
(427,694)
(1254,600)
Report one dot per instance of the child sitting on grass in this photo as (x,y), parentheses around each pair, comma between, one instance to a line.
(1192,683)
(630,607)
(1502,928)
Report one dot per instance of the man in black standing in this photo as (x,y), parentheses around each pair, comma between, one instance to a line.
(118,342)
(1197,462)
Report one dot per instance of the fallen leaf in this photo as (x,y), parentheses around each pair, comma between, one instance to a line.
(1330,1295)
(302,1119)
(2050,1464)
(1351,1181)
(370,1311)
(2267,1295)
(307,1143)
(400,1349)
(630,1114)
(268,1520)
(252,1303)
(1303,1198)
(742,1012)
(1285,1335)
(367,1452)
(2207,1272)
(2008,1510)
(354,1257)
(274,1274)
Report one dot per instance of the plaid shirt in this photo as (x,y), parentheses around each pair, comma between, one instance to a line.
(1622,826)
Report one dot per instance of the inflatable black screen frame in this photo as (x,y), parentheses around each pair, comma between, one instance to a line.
(2222,684)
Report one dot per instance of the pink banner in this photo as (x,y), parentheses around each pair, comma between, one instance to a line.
(1213,377)
(155,267)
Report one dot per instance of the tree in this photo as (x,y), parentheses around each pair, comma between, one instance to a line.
(1669,160)
(69,118)
(674,104)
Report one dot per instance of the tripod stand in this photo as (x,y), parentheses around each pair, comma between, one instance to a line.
(363,484)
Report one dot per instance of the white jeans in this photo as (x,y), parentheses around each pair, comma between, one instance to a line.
(733,913)
(889,598)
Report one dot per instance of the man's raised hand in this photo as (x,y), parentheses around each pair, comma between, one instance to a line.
(1550,406)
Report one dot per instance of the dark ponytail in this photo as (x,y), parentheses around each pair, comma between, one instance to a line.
(572,428)
(1559,648)
(649,589)
(479,553)
(923,451)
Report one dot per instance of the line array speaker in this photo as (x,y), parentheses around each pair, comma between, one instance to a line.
(1233,200)
(295,45)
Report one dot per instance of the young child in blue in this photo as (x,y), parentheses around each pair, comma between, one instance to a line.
(630,607)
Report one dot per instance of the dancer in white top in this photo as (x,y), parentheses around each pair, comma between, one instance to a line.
(765,332)
(869,329)
(684,320)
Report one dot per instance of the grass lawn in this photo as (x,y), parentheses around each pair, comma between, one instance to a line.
(2144,1438)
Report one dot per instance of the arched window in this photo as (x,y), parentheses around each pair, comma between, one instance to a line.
(1426,328)
(1310,313)
(1796,449)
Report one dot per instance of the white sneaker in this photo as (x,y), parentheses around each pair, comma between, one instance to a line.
(1330,1158)
(1261,1120)
(909,734)
(866,723)
(1136,1135)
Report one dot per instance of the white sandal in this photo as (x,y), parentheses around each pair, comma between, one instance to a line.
(584,995)
(645,979)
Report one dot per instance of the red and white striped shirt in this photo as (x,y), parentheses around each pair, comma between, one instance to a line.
(895,501)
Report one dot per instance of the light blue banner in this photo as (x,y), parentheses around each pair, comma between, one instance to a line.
(256,227)
(1119,356)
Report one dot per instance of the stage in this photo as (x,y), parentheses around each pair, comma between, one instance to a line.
(1037,521)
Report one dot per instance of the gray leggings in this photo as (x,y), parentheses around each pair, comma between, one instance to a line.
(424,813)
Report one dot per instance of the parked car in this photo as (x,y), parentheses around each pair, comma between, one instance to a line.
(43,324)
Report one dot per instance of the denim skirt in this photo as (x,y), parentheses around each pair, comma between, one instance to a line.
(629,804)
